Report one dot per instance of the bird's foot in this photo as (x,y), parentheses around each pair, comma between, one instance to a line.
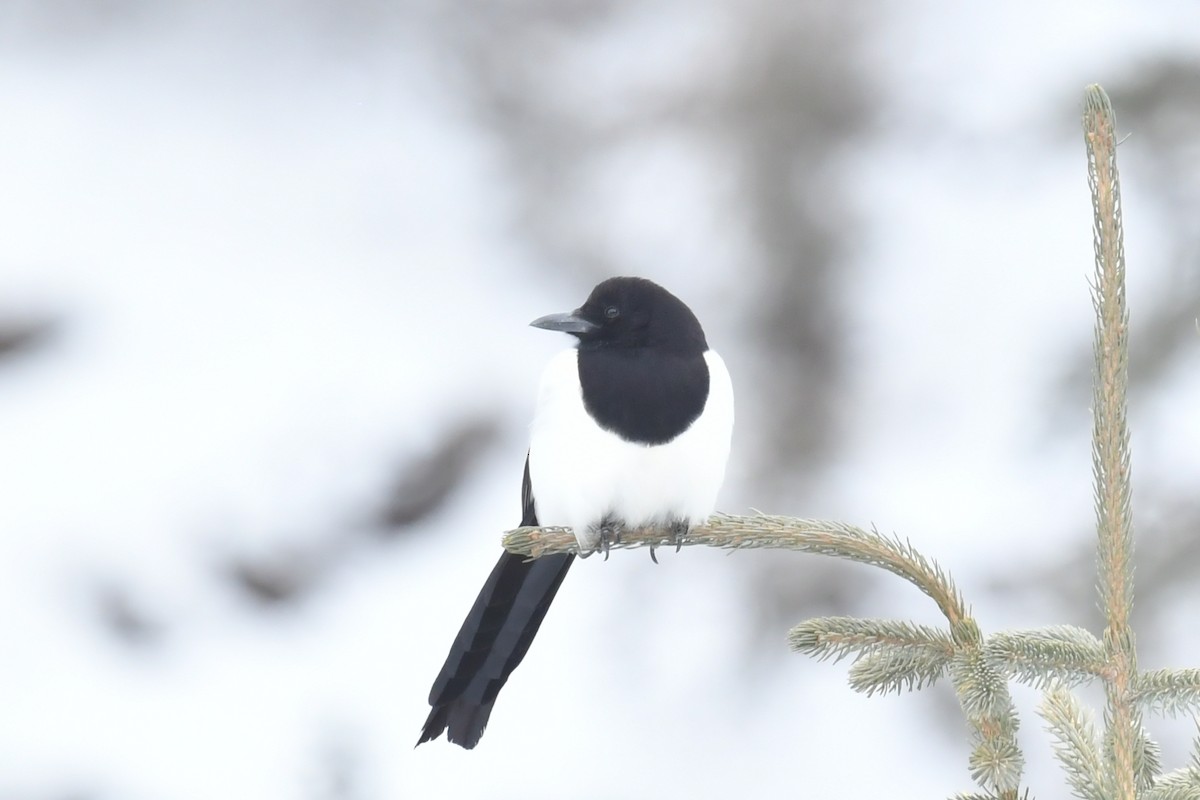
(610,535)
(679,529)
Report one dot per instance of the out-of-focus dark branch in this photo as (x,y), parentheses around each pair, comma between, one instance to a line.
(19,336)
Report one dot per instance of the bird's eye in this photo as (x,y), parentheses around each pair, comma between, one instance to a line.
(612,312)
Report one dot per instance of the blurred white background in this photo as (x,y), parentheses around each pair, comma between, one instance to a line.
(265,275)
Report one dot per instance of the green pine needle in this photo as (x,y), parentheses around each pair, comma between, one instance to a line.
(1076,745)
(1170,692)
(1042,656)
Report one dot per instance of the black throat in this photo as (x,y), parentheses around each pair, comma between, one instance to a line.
(643,395)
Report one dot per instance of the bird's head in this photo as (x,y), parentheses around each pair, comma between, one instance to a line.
(631,313)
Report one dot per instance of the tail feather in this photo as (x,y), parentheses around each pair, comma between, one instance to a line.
(494,638)
(491,643)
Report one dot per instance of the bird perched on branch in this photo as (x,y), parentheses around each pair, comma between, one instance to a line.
(632,428)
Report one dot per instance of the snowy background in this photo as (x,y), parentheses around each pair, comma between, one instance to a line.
(266,271)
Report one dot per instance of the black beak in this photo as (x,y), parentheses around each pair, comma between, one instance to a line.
(567,323)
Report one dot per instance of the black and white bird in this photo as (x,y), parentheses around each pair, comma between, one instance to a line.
(632,428)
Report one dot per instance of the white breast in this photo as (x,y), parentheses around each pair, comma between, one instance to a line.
(580,473)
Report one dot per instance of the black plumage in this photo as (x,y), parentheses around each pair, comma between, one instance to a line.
(493,638)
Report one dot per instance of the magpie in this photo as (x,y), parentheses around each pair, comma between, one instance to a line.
(632,428)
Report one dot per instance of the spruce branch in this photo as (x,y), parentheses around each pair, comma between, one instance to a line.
(1039,657)
(890,655)
(1075,744)
(732,532)
(996,761)
(981,690)
(1180,784)
(1149,761)
(839,637)
(1147,758)
(1168,691)
(889,671)
(1110,439)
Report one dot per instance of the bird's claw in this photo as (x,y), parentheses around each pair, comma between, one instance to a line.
(679,529)
(610,536)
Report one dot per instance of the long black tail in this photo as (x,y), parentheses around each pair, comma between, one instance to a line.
(493,639)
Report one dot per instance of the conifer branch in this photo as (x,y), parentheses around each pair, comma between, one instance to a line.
(996,761)
(890,655)
(1075,744)
(732,532)
(1110,439)
(1149,760)
(1168,691)
(1180,784)
(982,690)
(838,637)
(1039,657)
(888,671)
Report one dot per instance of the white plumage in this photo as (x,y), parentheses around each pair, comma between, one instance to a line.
(582,474)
